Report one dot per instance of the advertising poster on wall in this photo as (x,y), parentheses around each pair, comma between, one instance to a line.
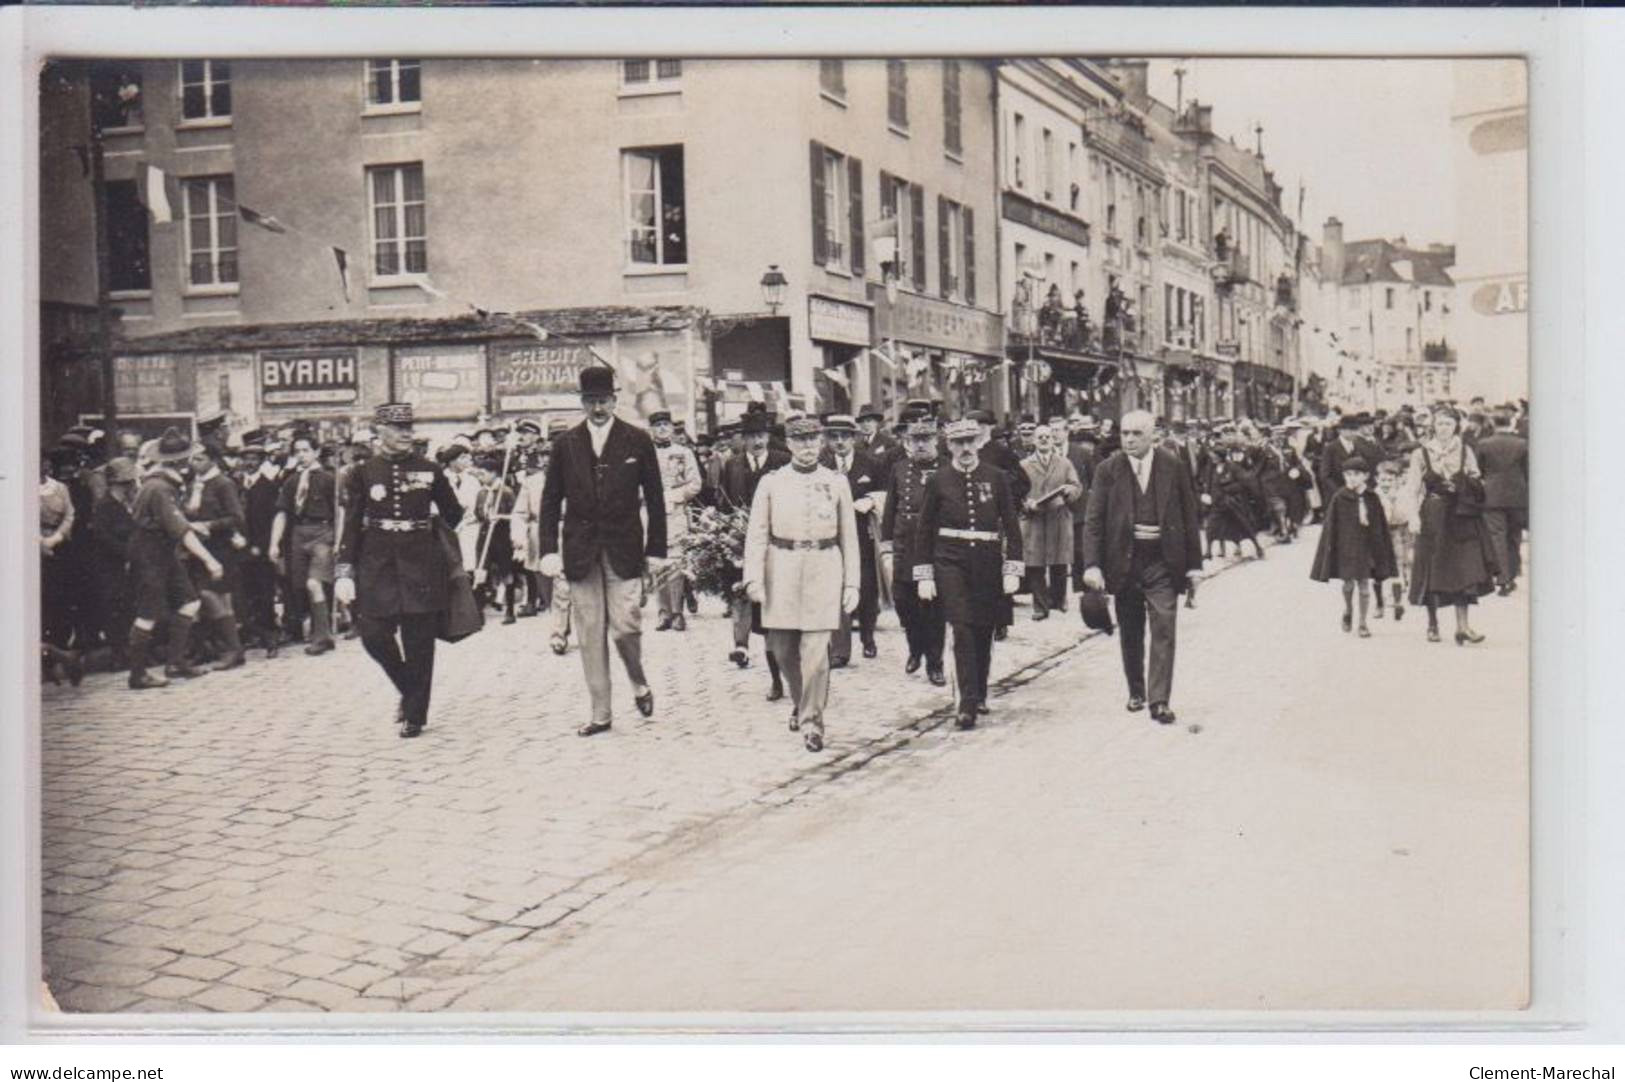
(441,382)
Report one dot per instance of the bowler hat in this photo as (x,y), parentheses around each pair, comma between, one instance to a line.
(1097,614)
(597,380)
(754,423)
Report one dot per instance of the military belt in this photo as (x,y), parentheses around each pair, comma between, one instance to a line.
(824,543)
(397,525)
(956,534)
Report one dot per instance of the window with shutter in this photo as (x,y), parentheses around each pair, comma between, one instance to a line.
(897,94)
(854,184)
(970,257)
(944,250)
(951,107)
(820,222)
(916,199)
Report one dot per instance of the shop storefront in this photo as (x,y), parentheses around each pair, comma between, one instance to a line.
(846,375)
(938,350)
(1263,394)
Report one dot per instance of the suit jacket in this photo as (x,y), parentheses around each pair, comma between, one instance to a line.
(1503,460)
(599,501)
(1084,461)
(739,481)
(1108,534)
(1332,457)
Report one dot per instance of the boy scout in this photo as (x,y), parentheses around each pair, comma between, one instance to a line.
(968,550)
(923,623)
(391,569)
(802,565)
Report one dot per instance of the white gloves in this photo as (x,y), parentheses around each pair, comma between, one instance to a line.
(552,565)
(1012,583)
(344,590)
(863,506)
(1206,499)
(1093,579)
(927,590)
(849,599)
(753,591)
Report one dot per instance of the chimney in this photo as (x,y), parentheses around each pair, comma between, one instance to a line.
(1132,76)
(1197,119)
(1331,252)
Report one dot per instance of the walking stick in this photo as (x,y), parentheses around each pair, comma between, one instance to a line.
(507,459)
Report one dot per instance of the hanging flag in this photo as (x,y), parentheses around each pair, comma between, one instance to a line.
(156,195)
(837,377)
(343,261)
(431,289)
(534,328)
(264,221)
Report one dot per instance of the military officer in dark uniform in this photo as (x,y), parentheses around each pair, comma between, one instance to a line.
(968,550)
(996,451)
(923,622)
(391,567)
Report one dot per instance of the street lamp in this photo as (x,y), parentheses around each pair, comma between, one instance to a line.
(773,283)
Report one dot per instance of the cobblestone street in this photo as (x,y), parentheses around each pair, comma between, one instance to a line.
(262,841)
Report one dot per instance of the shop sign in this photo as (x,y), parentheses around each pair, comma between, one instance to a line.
(330,377)
(1056,223)
(441,382)
(928,322)
(145,384)
(533,376)
(836,321)
(1502,298)
(1227,349)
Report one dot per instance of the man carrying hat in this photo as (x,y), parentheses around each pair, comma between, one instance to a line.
(802,567)
(864,474)
(391,569)
(603,479)
(967,549)
(741,476)
(162,586)
(681,479)
(923,623)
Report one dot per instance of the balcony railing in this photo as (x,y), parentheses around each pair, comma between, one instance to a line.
(1438,353)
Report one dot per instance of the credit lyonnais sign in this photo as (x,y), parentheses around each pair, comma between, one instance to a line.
(310,377)
(535,376)
(1502,297)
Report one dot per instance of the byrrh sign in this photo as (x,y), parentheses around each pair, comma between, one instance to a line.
(310,377)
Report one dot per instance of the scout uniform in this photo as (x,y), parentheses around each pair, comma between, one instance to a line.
(801,551)
(967,541)
(389,549)
(923,622)
(680,476)
(162,587)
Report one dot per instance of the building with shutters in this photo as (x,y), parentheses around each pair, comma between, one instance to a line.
(470,233)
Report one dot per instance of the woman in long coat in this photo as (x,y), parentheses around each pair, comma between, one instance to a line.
(1454,562)
(1046,525)
(1235,502)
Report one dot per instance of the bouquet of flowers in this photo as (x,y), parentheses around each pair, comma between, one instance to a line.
(712,554)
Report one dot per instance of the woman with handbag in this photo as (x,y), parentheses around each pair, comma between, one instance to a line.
(1454,563)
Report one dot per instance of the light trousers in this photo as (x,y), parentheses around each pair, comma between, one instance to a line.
(804,658)
(606,607)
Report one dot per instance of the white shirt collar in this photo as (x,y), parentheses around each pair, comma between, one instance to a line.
(599,435)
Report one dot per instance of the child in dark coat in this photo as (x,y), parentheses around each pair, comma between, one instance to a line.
(1355,545)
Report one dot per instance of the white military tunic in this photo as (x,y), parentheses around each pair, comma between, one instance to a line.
(802,547)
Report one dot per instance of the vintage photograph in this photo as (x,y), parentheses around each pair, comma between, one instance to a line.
(679,535)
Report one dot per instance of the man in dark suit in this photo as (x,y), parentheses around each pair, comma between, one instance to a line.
(603,479)
(1345,446)
(1503,460)
(867,478)
(260,491)
(924,625)
(1082,436)
(740,476)
(391,567)
(1141,543)
(874,441)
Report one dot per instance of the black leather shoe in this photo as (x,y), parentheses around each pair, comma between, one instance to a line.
(411,729)
(558,644)
(400,714)
(1161,714)
(965,721)
(738,656)
(230,661)
(272,651)
(320,646)
(776,692)
(692,603)
(1433,634)
(869,650)
(912,666)
(1136,703)
(936,676)
(184,671)
(813,740)
(1001,633)
(839,662)
(1040,614)
(678,623)
(593,728)
(645,704)
(984,709)
(663,624)
(509,618)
